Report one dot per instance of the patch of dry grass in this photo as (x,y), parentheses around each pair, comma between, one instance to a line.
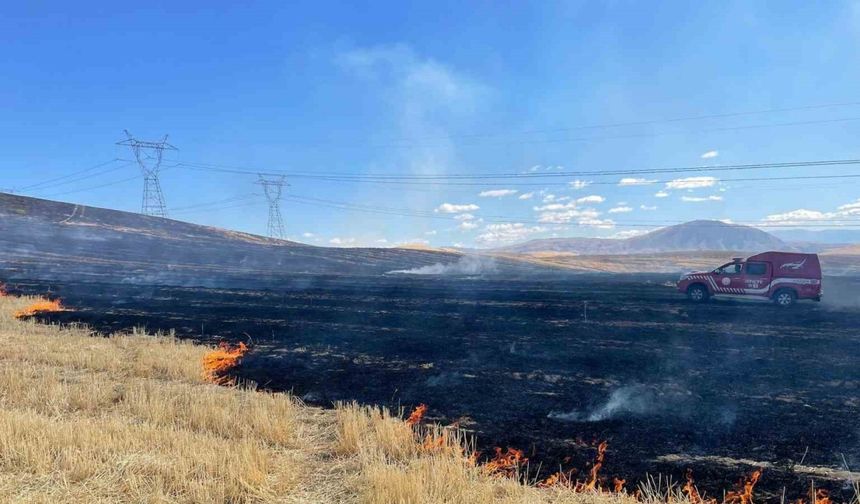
(130,418)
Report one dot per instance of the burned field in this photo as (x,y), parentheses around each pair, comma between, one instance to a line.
(718,388)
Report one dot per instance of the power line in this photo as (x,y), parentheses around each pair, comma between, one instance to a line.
(215,203)
(340,177)
(405,212)
(97,174)
(225,207)
(605,183)
(90,188)
(58,180)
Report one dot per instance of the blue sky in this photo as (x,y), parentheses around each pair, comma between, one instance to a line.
(438,88)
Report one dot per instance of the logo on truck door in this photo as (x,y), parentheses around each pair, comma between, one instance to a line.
(793,265)
(726,281)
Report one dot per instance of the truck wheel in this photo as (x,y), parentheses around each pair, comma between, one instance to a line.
(784,297)
(697,293)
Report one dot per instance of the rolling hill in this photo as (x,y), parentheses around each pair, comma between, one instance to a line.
(41,239)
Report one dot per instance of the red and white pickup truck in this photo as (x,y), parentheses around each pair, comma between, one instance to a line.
(783,277)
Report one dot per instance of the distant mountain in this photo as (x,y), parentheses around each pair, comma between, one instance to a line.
(49,240)
(705,235)
(690,236)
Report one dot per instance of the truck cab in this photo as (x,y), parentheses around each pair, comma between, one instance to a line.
(783,277)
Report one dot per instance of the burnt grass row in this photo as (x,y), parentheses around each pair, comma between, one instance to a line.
(517,363)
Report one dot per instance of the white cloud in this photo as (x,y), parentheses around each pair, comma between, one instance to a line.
(555,206)
(307,234)
(525,196)
(567,215)
(620,209)
(597,223)
(629,181)
(342,241)
(430,233)
(468,225)
(698,199)
(506,233)
(661,194)
(800,215)
(382,240)
(630,233)
(648,208)
(593,198)
(814,217)
(691,183)
(579,184)
(464,216)
(710,154)
(453,208)
(497,193)
(851,208)
(548,198)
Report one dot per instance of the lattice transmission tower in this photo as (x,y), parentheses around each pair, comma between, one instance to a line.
(273,187)
(149,156)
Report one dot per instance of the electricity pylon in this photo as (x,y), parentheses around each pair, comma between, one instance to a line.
(272,188)
(149,156)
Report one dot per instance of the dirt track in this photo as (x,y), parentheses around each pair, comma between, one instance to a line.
(516,362)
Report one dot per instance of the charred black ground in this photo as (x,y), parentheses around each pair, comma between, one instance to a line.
(516,362)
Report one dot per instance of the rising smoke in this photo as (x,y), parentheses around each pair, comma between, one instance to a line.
(467,265)
(631,400)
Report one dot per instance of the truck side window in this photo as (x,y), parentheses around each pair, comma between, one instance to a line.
(756,269)
(730,269)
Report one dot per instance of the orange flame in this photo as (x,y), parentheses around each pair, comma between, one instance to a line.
(219,362)
(692,492)
(41,306)
(433,442)
(560,478)
(591,484)
(743,493)
(506,463)
(417,415)
(822,496)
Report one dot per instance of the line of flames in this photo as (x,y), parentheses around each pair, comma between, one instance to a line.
(509,462)
(218,363)
(40,306)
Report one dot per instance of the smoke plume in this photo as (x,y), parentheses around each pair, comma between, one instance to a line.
(631,400)
(467,265)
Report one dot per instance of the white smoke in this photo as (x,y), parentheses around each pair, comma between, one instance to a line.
(634,400)
(467,265)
